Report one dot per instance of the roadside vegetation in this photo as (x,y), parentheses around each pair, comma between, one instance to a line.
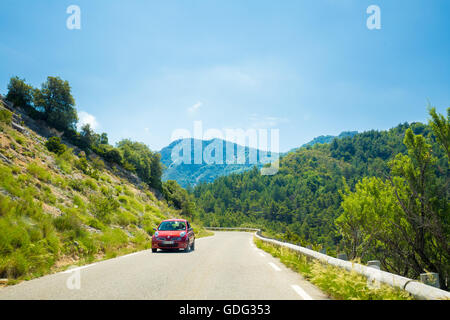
(336,282)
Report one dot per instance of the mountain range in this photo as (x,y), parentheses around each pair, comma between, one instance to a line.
(193,173)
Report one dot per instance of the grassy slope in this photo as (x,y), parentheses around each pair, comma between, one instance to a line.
(53,214)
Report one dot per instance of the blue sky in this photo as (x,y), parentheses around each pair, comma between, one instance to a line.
(141,69)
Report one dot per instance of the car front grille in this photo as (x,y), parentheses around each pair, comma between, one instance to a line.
(162,245)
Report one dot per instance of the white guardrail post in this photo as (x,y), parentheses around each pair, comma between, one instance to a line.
(417,289)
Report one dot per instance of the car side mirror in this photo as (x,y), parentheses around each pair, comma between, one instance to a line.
(154,229)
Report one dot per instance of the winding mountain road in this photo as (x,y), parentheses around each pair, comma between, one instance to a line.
(226,266)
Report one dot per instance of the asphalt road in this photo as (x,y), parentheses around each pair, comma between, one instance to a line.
(223,267)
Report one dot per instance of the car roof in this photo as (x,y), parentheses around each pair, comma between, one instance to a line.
(184,220)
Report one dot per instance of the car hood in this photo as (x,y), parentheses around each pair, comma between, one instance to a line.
(169,233)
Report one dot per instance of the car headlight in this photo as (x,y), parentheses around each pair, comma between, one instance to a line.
(156,234)
(182,234)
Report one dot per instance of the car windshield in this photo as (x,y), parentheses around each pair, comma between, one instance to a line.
(172,226)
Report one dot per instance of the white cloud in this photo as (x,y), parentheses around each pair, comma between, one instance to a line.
(86,118)
(195,107)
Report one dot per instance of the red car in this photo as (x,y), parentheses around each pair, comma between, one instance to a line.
(174,234)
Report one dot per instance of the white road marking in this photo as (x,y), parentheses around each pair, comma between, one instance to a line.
(301,292)
(273,265)
(262,254)
(79,268)
(131,254)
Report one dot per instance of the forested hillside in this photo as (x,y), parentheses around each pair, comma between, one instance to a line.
(328,139)
(304,201)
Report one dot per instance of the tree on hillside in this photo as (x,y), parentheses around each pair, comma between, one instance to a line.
(20,94)
(146,163)
(55,100)
(157,171)
(441,128)
(404,220)
(87,137)
(179,198)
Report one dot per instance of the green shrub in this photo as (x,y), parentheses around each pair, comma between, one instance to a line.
(119,190)
(98,164)
(79,202)
(105,190)
(96,224)
(38,172)
(54,145)
(91,184)
(148,224)
(105,178)
(68,222)
(5,116)
(103,207)
(141,239)
(8,182)
(20,140)
(123,200)
(16,169)
(77,185)
(125,218)
(60,182)
(65,160)
(113,239)
(47,196)
(128,192)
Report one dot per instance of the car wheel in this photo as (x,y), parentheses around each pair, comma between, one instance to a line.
(154,250)
(188,248)
(193,246)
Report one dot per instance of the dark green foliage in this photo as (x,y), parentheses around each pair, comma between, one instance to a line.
(113,155)
(179,198)
(54,145)
(5,116)
(55,100)
(20,93)
(145,163)
(103,207)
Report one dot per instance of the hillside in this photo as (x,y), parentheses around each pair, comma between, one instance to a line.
(193,174)
(69,208)
(329,139)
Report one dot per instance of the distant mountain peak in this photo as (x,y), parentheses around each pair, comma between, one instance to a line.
(239,159)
